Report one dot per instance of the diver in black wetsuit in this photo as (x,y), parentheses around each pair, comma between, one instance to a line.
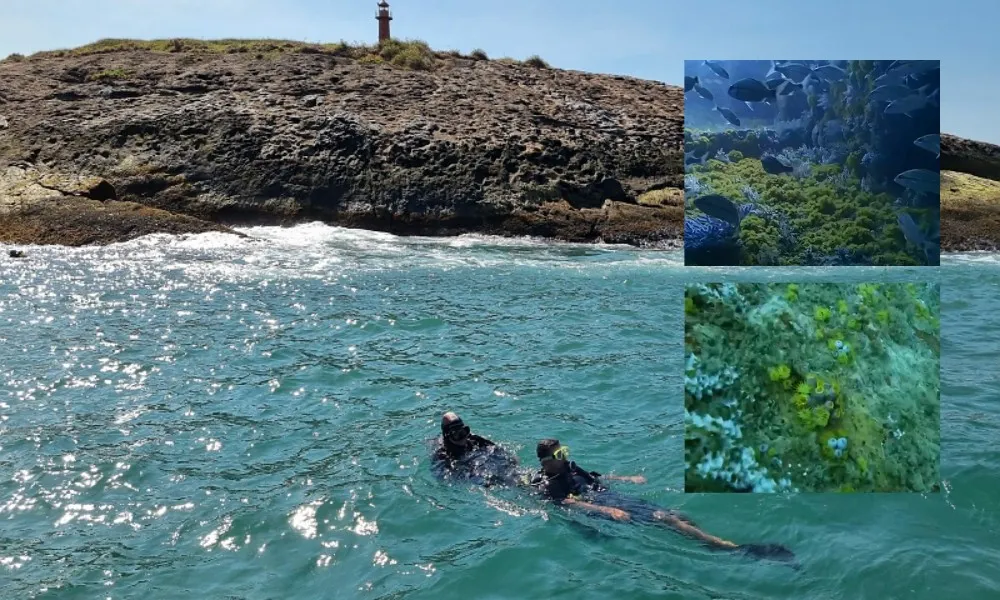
(461,454)
(563,482)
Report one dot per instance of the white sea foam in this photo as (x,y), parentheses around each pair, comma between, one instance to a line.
(970,258)
(317,250)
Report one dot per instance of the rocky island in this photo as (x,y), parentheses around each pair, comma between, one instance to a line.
(122,138)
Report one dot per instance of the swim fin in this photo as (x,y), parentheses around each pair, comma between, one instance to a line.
(775,552)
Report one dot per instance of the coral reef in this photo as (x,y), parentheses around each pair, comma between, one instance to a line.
(834,153)
(812,387)
(823,217)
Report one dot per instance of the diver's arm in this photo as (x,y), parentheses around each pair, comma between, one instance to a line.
(690,530)
(615,513)
(628,478)
(480,441)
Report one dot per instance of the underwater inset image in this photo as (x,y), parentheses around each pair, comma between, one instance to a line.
(812,387)
(812,162)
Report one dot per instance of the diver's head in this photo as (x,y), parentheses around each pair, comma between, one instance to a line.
(553,456)
(453,430)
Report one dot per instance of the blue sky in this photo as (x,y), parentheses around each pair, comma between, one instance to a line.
(645,39)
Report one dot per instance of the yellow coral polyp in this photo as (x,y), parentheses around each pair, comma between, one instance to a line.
(868,291)
(822,314)
(842,307)
(779,373)
(816,418)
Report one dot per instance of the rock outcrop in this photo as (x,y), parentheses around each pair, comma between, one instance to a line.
(970,195)
(46,208)
(280,138)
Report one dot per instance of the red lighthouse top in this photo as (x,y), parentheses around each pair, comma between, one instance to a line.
(383,17)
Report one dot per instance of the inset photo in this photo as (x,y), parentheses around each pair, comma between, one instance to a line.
(812,387)
(812,162)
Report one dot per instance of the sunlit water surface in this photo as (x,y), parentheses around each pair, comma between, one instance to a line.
(208,416)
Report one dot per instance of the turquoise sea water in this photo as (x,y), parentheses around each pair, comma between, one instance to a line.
(205,416)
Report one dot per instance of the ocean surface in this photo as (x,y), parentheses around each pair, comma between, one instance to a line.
(214,417)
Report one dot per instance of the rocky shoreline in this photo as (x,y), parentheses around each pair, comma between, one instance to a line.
(121,139)
(198,141)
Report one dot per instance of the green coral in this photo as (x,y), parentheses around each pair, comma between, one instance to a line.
(826,211)
(779,373)
(760,240)
(735,156)
(801,390)
(815,418)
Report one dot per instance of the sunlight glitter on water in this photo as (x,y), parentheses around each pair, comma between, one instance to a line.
(303,519)
(305,371)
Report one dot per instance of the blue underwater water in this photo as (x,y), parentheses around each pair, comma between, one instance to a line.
(206,416)
(861,134)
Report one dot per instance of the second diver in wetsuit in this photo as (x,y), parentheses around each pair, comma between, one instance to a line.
(563,482)
(461,454)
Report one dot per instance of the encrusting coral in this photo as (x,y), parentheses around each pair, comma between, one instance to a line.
(812,387)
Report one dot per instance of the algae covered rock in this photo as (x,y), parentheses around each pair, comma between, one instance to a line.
(812,387)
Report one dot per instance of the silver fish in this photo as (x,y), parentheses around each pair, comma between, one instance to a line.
(920,180)
(830,73)
(729,115)
(750,90)
(716,66)
(930,142)
(888,93)
(797,72)
(908,68)
(890,78)
(694,158)
(907,105)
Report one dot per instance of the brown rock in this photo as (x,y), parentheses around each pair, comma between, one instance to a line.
(233,138)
